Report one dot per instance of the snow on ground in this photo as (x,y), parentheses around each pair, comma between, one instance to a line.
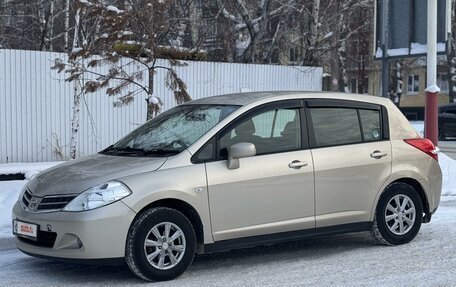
(342,260)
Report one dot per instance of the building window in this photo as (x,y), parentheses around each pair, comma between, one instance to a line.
(356,88)
(353,85)
(442,82)
(413,86)
(365,85)
(293,55)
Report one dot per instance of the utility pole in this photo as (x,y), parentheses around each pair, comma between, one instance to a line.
(431,110)
(384,36)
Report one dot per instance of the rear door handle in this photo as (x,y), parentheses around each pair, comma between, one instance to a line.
(297,164)
(378,154)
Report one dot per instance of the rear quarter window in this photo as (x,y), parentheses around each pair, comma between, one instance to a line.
(370,121)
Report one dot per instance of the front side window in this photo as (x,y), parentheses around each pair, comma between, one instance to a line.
(335,126)
(413,85)
(171,132)
(273,131)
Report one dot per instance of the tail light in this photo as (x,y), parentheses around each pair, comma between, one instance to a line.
(425,146)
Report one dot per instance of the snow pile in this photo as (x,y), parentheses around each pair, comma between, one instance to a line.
(114,9)
(28,169)
(448,166)
(419,126)
(10,190)
(9,193)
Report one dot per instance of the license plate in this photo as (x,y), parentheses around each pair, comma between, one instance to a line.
(24,229)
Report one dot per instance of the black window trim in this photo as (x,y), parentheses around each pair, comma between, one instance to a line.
(293,103)
(336,103)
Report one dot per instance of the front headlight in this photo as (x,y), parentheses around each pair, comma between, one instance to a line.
(98,196)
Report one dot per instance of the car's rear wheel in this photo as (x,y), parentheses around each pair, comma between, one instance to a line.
(161,244)
(398,215)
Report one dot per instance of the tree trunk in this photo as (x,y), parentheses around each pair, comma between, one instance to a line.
(342,55)
(50,33)
(309,59)
(66,25)
(452,71)
(451,57)
(75,120)
(342,50)
(397,84)
(76,97)
(153,107)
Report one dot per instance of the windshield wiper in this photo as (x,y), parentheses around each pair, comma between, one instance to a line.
(161,152)
(123,150)
(138,151)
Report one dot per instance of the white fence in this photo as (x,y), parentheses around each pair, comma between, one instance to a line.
(36,102)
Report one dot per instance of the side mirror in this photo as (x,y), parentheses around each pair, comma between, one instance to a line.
(237,151)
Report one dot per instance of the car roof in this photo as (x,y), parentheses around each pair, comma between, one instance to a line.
(242,99)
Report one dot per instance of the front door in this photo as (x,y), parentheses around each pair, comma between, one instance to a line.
(271,192)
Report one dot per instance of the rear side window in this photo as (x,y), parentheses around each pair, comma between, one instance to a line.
(339,125)
(335,126)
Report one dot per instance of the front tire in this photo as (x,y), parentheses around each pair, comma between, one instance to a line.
(161,244)
(399,215)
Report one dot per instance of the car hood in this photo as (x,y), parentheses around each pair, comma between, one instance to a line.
(79,175)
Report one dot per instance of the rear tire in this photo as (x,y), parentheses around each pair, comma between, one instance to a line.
(161,244)
(398,216)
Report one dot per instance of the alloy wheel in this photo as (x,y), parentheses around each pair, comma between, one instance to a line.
(400,214)
(165,245)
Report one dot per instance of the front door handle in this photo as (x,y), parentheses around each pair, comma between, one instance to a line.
(297,164)
(378,154)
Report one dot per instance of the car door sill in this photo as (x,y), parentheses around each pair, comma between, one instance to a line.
(252,241)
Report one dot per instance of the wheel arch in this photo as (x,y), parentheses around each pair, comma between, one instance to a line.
(187,210)
(416,185)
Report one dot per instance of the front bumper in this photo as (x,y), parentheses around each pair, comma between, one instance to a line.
(96,234)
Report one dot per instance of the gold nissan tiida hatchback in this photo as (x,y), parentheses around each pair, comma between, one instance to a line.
(234,171)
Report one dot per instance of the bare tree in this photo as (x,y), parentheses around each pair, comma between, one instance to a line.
(123,40)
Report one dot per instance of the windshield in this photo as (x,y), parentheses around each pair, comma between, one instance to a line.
(171,132)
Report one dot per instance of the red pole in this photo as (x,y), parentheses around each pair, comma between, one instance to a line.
(431,116)
(431,113)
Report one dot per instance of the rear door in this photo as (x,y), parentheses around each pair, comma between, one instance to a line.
(352,158)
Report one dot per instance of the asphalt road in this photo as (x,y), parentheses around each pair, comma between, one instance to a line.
(344,260)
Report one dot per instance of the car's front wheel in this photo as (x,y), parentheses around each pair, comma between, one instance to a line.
(160,245)
(398,215)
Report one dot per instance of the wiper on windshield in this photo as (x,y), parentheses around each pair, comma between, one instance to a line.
(126,150)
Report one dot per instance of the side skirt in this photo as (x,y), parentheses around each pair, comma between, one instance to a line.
(247,242)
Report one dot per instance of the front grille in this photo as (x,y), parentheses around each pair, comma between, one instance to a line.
(26,198)
(54,202)
(47,203)
(45,239)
